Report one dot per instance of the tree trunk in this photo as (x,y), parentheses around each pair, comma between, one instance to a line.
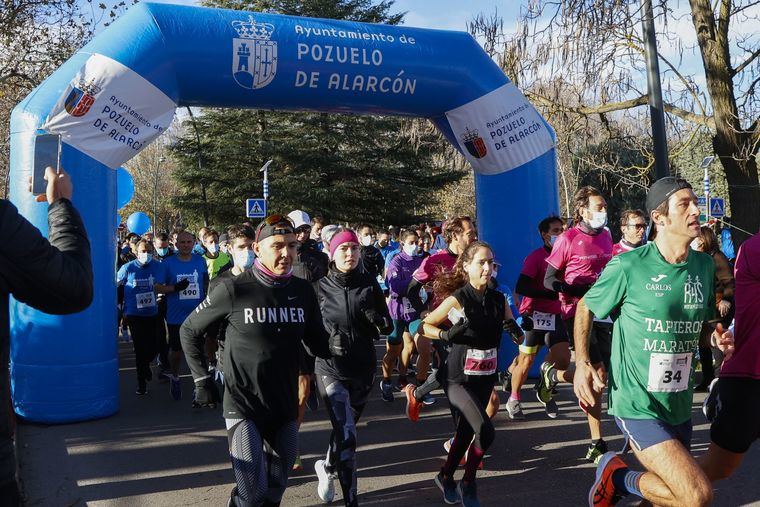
(731,142)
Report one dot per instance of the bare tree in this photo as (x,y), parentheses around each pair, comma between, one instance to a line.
(582,63)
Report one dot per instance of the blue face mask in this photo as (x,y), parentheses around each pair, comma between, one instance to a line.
(162,251)
(144,258)
(198,249)
(243,259)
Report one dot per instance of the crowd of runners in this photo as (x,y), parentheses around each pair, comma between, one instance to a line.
(275,317)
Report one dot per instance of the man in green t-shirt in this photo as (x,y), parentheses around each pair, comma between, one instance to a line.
(662,296)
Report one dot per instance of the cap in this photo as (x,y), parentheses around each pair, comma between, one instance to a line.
(273,225)
(662,189)
(328,231)
(340,238)
(299,218)
(224,238)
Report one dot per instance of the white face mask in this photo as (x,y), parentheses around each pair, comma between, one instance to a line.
(552,240)
(410,250)
(144,258)
(243,258)
(695,244)
(366,240)
(494,274)
(598,219)
(213,248)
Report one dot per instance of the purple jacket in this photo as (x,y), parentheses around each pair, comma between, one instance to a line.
(397,278)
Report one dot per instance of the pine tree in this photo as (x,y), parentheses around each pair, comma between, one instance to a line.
(375,169)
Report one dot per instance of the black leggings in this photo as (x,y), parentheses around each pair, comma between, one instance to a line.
(261,461)
(143,331)
(345,401)
(474,428)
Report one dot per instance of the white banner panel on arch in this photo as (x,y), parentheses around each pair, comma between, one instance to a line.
(500,131)
(110,112)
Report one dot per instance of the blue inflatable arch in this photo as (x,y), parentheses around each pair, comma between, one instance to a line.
(119,92)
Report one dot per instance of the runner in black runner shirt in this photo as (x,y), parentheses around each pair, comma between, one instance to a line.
(480,313)
(269,313)
(354,309)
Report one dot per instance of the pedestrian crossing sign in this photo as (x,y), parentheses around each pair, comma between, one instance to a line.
(717,207)
(255,208)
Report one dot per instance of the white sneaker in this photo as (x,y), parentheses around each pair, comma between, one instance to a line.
(325,488)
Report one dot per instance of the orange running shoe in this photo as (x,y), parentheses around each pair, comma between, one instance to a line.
(603,492)
(413,406)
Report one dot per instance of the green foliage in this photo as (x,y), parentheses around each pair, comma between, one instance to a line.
(347,168)
(352,168)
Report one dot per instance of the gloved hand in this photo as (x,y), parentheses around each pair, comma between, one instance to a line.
(206,393)
(527,322)
(181,285)
(384,324)
(338,343)
(373,316)
(455,332)
(514,330)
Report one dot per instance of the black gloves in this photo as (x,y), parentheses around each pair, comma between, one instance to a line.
(454,332)
(338,343)
(206,393)
(527,322)
(574,290)
(181,285)
(514,330)
(378,320)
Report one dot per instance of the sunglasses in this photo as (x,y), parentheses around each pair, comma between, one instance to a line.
(274,220)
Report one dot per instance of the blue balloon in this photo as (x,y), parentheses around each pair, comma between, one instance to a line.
(138,222)
(125,187)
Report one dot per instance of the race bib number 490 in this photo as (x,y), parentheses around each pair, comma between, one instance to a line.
(480,362)
(191,292)
(669,373)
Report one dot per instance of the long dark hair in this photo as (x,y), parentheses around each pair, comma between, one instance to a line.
(446,283)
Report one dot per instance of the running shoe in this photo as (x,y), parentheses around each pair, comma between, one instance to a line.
(428,399)
(164,375)
(399,385)
(413,406)
(141,391)
(596,451)
(175,388)
(297,465)
(449,489)
(506,382)
(552,410)
(514,410)
(712,403)
(325,488)
(469,494)
(545,385)
(386,391)
(603,492)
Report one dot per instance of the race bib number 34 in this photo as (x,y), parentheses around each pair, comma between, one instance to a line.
(669,373)
(480,362)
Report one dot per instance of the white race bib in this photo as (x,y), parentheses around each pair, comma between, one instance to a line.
(669,373)
(480,362)
(544,321)
(408,308)
(145,300)
(191,292)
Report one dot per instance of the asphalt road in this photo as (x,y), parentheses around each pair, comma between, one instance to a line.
(159,452)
